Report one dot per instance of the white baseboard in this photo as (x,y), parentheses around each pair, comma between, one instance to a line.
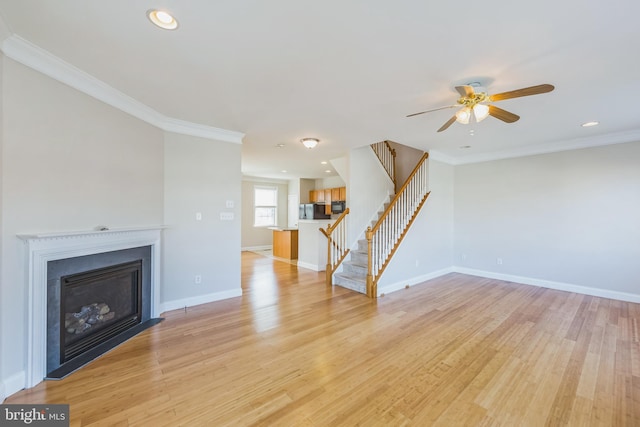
(413,281)
(256,248)
(11,385)
(310,266)
(560,286)
(201,299)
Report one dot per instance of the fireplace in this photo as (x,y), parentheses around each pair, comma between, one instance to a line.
(51,257)
(95,302)
(97,305)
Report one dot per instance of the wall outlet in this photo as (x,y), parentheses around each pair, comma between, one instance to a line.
(499,261)
(463,257)
(198,279)
(198,216)
(229,204)
(417,262)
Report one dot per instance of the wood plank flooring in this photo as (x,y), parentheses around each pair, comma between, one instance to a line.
(455,351)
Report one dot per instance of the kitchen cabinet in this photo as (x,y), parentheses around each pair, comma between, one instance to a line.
(327,201)
(335,194)
(316,196)
(328,195)
(343,194)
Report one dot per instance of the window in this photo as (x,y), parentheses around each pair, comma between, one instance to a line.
(265,206)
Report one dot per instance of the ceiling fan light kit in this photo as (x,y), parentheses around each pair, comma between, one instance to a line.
(481,111)
(475,101)
(463,115)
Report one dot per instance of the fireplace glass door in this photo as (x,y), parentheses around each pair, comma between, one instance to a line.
(98,305)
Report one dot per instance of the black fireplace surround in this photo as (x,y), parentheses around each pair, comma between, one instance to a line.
(94,303)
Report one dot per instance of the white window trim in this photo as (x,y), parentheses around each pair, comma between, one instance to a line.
(275,216)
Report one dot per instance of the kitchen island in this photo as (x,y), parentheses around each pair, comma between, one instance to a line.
(285,243)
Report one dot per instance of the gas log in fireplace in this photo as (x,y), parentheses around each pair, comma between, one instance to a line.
(98,305)
(94,303)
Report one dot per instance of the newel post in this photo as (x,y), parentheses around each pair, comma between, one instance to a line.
(329,268)
(370,290)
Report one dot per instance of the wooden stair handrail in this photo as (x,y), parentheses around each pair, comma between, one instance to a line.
(369,234)
(389,168)
(339,247)
(330,227)
(384,238)
(424,157)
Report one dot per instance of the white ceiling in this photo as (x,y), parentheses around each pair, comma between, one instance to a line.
(349,71)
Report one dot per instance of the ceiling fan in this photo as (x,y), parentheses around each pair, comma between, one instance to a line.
(475,101)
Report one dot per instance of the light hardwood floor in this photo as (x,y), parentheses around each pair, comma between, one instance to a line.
(456,351)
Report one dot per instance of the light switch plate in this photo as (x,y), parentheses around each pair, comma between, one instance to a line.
(226,216)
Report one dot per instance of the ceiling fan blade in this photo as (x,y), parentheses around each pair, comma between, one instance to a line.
(465,90)
(503,115)
(449,123)
(435,109)
(533,90)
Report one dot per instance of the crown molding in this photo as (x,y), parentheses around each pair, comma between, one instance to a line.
(546,148)
(552,147)
(36,58)
(194,129)
(439,156)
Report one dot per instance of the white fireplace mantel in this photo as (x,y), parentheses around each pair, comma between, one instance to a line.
(44,247)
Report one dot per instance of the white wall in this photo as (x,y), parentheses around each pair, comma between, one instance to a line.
(201,175)
(427,249)
(69,162)
(329,182)
(368,189)
(306,185)
(257,237)
(567,220)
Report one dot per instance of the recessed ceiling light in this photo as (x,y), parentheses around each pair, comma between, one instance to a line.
(323,163)
(283,171)
(162,19)
(280,145)
(310,142)
(464,147)
(328,171)
(589,124)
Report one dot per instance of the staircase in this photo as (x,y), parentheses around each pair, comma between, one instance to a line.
(372,256)
(354,271)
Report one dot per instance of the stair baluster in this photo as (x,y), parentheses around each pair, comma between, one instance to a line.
(337,245)
(385,236)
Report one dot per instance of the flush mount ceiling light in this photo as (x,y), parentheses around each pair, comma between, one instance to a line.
(309,142)
(162,19)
